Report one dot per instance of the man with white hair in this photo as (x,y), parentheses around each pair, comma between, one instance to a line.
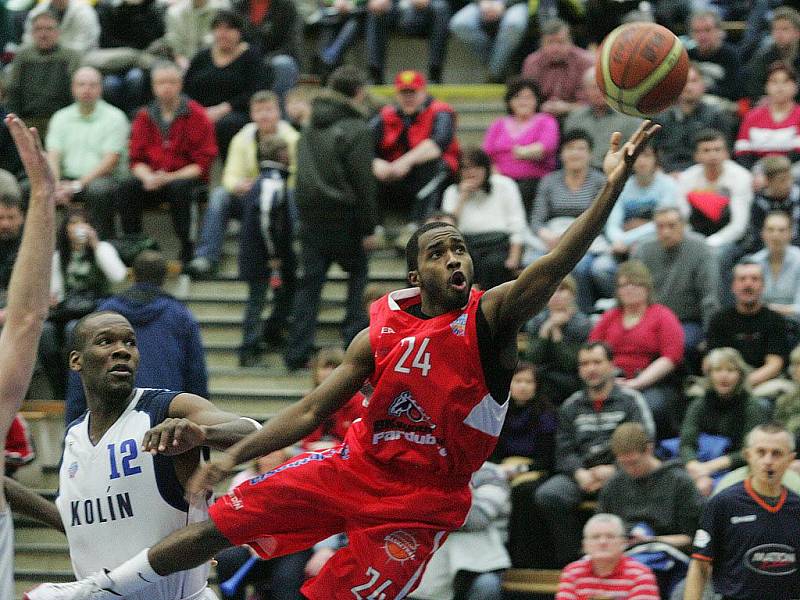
(605,570)
(749,535)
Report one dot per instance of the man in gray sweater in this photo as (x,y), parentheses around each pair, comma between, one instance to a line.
(685,275)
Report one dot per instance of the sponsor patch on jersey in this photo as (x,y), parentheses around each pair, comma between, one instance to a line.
(73,470)
(771,559)
(701,538)
(404,405)
(459,326)
(743,519)
(234,500)
(303,460)
(400,545)
(386,330)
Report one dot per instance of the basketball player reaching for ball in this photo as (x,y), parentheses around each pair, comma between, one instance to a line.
(439,358)
(25,312)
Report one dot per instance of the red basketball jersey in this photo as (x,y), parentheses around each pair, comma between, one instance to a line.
(430,416)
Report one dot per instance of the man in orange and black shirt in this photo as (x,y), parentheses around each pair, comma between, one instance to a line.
(749,535)
(416,147)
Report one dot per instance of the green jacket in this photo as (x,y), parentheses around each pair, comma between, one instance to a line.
(732,419)
(335,187)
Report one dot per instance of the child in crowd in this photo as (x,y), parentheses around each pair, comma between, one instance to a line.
(525,448)
(331,433)
(265,249)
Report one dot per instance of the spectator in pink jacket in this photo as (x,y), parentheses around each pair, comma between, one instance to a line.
(523,145)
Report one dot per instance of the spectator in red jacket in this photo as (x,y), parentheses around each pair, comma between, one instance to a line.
(647,341)
(172,147)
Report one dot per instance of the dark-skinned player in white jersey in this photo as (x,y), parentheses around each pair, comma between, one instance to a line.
(437,359)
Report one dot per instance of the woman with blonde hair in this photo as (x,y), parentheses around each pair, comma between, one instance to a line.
(647,341)
(714,428)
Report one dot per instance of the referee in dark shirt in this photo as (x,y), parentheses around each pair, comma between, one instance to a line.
(749,534)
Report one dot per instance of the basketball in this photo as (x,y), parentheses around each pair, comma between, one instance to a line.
(642,68)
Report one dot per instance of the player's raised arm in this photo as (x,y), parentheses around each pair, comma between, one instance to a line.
(28,289)
(298,420)
(510,305)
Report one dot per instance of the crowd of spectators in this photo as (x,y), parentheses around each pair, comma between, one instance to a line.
(674,337)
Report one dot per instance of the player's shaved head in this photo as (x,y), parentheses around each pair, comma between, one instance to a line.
(412,247)
(85,327)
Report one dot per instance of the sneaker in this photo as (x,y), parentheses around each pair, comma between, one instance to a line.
(199,267)
(89,588)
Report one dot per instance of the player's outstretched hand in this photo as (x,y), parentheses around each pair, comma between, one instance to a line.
(620,157)
(173,436)
(210,474)
(32,154)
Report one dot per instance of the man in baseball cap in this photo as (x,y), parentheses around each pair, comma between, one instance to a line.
(417,152)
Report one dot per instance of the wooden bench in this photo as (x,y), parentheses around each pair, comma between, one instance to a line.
(531,581)
(46,421)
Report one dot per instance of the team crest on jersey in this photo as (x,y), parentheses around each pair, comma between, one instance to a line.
(400,546)
(771,559)
(459,326)
(73,470)
(405,405)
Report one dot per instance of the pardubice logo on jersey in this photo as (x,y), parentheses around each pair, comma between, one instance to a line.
(771,559)
(417,432)
(405,405)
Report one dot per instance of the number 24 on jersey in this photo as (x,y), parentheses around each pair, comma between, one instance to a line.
(422,359)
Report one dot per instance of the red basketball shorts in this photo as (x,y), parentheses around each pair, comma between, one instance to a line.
(393,527)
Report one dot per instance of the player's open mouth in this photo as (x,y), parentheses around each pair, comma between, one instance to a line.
(458,280)
(121,370)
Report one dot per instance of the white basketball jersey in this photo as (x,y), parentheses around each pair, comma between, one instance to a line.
(116,500)
(6,554)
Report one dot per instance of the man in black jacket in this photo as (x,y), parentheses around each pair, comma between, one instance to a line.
(335,194)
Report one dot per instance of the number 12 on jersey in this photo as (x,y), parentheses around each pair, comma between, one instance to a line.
(422,360)
(128,451)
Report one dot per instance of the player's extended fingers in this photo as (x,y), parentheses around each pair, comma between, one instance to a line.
(616,139)
(652,129)
(178,433)
(166,438)
(37,139)
(147,440)
(22,136)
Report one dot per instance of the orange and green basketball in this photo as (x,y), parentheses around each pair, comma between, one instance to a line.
(641,69)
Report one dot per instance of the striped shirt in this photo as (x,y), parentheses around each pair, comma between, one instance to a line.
(630,580)
(555,199)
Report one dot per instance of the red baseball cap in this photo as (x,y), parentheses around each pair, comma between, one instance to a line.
(409,80)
